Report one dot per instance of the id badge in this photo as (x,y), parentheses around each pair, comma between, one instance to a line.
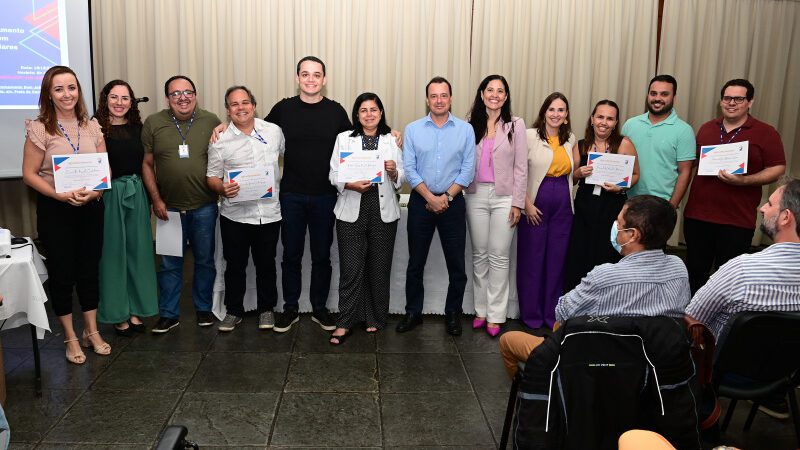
(183,151)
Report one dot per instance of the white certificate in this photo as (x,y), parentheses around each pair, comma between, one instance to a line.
(611,168)
(731,158)
(254,183)
(169,235)
(82,170)
(360,165)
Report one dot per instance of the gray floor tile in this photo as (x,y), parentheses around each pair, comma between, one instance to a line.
(434,418)
(92,447)
(20,338)
(313,339)
(430,337)
(150,371)
(13,357)
(486,372)
(241,372)
(494,405)
(248,338)
(186,337)
(30,416)
(422,373)
(114,417)
(319,372)
(327,420)
(58,373)
(227,419)
(21,446)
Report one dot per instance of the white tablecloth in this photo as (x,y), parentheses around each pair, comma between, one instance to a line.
(21,278)
(435,278)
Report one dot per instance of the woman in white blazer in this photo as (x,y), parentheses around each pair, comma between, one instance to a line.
(543,236)
(367,212)
(495,198)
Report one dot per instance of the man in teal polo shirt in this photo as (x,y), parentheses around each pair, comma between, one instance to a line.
(664,143)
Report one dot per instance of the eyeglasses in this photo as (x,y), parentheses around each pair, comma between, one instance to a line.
(188,93)
(737,100)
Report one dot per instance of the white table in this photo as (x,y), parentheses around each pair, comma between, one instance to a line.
(21,278)
(435,278)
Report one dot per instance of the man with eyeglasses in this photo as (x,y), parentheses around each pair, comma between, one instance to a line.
(174,171)
(664,144)
(720,215)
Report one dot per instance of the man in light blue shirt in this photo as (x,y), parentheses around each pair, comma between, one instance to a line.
(664,143)
(439,158)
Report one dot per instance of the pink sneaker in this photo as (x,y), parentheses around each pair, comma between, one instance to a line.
(478,323)
(493,331)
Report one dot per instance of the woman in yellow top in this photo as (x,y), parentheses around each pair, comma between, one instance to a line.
(543,236)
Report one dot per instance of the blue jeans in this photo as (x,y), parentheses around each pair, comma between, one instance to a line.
(299,211)
(452,228)
(199,226)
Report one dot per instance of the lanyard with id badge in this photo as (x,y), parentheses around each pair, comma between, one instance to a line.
(183,149)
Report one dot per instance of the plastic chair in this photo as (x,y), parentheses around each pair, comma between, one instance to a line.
(762,347)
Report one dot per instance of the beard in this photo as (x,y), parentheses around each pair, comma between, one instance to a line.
(768,227)
(666,109)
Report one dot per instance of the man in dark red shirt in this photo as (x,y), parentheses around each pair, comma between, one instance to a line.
(720,215)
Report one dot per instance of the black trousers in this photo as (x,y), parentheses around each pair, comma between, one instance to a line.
(366,249)
(72,238)
(452,228)
(710,245)
(238,241)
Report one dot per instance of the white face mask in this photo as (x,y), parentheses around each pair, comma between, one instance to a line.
(614,230)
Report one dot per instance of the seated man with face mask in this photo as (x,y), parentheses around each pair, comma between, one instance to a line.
(645,282)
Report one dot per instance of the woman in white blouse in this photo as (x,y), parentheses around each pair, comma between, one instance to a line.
(367,212)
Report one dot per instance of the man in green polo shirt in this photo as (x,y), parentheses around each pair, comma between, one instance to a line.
(664,143)
(174,171)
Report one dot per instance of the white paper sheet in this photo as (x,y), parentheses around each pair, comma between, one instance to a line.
(169,235)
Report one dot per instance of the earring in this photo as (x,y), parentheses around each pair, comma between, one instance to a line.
(566,121)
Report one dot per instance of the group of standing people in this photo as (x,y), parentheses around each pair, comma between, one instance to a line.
(487,174)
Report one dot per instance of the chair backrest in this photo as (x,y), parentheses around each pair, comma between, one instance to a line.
(608,375)
(762,346)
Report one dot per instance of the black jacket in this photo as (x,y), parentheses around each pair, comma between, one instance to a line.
(600,376)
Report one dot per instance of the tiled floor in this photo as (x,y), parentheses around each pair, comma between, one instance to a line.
(251,388)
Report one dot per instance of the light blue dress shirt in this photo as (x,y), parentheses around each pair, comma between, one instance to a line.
(437,156)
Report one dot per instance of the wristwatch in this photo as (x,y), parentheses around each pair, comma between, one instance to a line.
(449,197)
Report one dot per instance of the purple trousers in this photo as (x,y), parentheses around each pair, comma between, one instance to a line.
(542,253)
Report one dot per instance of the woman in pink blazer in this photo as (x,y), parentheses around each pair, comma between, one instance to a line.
(495,198)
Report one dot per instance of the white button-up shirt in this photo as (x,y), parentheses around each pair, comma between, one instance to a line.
(236,150)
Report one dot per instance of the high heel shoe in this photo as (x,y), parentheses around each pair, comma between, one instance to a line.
(104,349)
(478,323)
(493,331)
(75,358)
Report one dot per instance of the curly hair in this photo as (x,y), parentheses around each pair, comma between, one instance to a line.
(103,115)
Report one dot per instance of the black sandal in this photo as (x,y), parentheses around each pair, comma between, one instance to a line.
(340,338)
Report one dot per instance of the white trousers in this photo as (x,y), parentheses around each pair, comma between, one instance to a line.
(491,235)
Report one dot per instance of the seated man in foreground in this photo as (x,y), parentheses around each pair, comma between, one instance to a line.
(645,282)
(765,281)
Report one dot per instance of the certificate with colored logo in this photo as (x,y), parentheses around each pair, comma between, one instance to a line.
(731,158)
(610,168)
(254,183)
(359,166)
(81,170)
